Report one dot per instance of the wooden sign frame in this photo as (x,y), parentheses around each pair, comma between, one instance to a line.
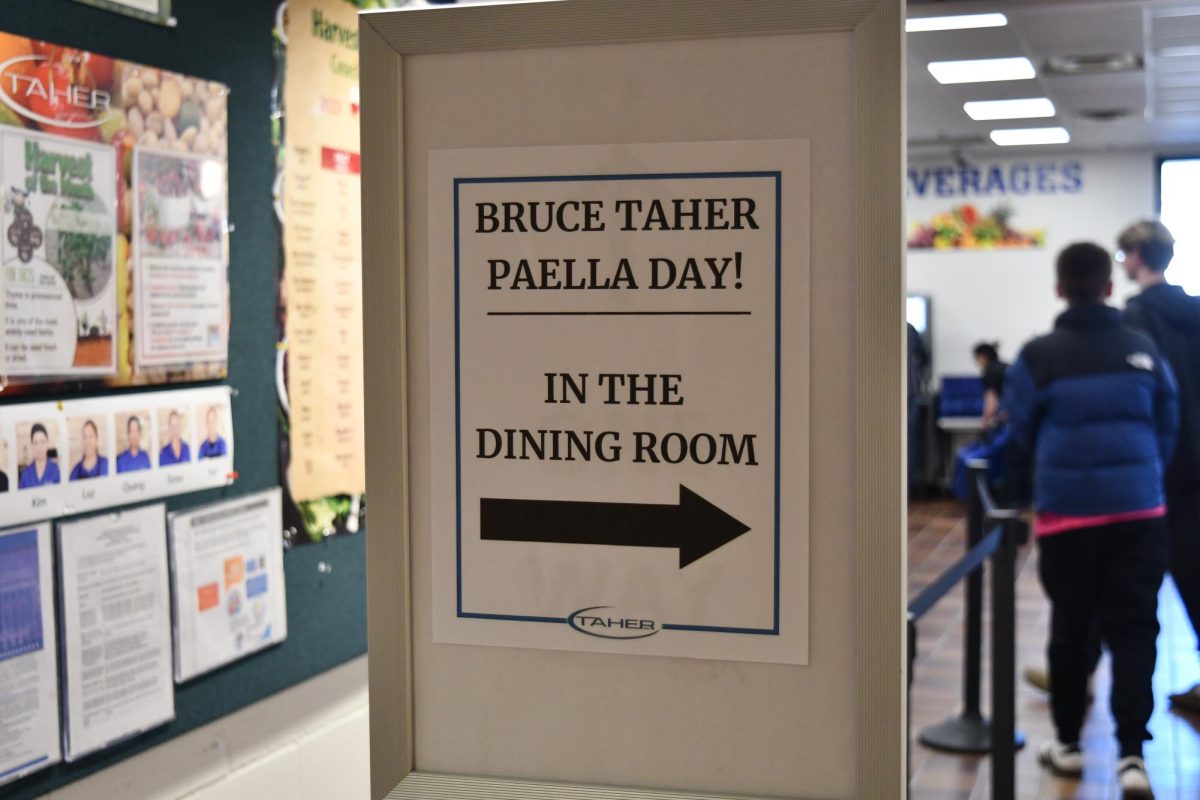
(877,25)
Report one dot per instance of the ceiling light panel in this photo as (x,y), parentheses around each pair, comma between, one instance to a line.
(955,23)
(982,70)
(1013,137)
(1028,108)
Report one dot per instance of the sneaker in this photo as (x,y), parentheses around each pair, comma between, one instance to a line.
(1135,783)
(1037,677)
(1188,700)
(1064,760)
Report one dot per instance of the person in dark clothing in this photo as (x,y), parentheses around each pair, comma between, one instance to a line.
(1171,317)
(918,363)
(987,357)
(1093,414)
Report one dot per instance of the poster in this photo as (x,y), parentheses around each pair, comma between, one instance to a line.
(179,220)
(228,597)
(116,626)
(322,285)
(59,255)
(29,735)
(88,283)
(72,456)
(620,407)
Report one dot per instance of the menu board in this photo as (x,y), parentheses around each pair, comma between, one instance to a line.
(114,254)
(323,246)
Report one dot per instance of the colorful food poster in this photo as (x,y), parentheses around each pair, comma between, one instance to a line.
(59,255)
(73,127)
(29,737)
(72,456)
(179,219)
(116,627)
(227,595)
(323,251)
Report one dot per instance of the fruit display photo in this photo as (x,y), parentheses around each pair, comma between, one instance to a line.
(59,95)
(180,207)
(965,228)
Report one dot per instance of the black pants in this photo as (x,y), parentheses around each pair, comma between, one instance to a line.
(1110,574)
(1183,520)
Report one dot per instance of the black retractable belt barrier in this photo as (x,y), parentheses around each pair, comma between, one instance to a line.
(969,731)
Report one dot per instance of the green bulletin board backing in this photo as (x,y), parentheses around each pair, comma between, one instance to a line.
(227,41)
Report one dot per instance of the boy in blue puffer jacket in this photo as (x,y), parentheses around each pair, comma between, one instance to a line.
(1093,414)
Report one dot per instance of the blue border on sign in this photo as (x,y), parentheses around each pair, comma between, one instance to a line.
(777,176)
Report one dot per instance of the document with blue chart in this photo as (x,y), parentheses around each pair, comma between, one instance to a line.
(29,732)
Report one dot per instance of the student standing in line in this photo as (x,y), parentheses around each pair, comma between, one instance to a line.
(175,451)
(1093,412)
(987,357)
(1171,317)
(43,469)
(91,463)
(133,457)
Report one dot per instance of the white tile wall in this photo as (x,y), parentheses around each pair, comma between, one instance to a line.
(309,742)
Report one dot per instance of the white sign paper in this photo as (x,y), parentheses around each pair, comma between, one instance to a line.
(73,456)
(116,623)
(619,369)
(29,737)
(179,234)
(59,252)
(228,591)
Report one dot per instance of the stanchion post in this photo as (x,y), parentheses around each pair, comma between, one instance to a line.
(968,732)
(973,619)
(1004,645)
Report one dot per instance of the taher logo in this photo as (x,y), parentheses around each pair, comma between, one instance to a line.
(606,626)
(50,87)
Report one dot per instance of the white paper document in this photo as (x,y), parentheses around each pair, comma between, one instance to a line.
(29,738)
(227,572)
(116,625)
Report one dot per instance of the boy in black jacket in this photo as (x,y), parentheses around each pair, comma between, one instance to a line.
(1171,317)
(1092,413)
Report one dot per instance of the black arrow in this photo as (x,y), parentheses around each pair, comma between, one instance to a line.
(694,525)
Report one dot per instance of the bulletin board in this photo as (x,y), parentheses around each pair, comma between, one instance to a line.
(509,674)
(228,41)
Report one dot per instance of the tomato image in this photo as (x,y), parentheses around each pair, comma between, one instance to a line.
(56,106)
(99,70)
(16,47)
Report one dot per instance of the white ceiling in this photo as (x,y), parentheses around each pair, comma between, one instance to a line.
(1162,98)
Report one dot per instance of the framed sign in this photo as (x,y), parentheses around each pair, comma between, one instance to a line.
(634,397)
(156,11)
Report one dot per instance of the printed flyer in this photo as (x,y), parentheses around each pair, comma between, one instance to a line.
(179,214)
(70,456)
(228,590)
(59,255)
(116,618)
(29,737)
(93,290)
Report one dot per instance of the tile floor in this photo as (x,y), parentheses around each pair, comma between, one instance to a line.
(935,540)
